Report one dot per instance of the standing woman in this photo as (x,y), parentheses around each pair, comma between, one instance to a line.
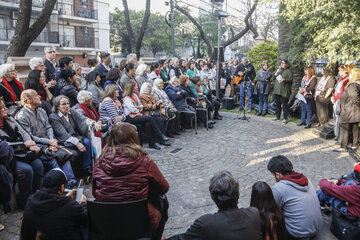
(36,80)
(282,90)
(163,71)
(10,87)
(92,84)
(350,111)
(307,89)
(323,91)
(262,88)
(344,71)
(273,222)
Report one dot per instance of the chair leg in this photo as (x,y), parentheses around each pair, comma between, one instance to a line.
(207,120)
(195,123)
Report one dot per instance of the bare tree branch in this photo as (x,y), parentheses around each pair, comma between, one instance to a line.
(142,29)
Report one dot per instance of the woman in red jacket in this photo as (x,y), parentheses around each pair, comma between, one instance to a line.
(124,172)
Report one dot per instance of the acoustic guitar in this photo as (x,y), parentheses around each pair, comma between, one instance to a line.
(238,79)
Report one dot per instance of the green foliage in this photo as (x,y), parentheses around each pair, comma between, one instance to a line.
(323,28)
(265,51)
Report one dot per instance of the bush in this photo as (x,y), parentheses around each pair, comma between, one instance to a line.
(265,51)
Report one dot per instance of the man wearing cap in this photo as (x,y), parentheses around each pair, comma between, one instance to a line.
(104,67)
(247,72)
(295,195)
(53,215)
(336,193)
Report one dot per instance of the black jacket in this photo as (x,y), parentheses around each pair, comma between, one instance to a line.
(56,216)
(69,90)
(249,75)
(49,71)
(103,72)
(231,224)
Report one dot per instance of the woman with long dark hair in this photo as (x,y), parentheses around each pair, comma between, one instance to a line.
(92,84)
(273,222)
(124,172)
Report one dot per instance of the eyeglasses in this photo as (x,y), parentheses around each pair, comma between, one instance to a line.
(64,104)
(12,71)
(51,52)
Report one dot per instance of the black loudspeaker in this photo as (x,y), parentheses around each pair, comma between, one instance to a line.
(228,103)
(221,54)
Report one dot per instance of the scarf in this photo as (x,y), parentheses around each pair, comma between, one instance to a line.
(11,91)
(90,112)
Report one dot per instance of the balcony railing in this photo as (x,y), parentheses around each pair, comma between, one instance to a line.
(44,37)
(68,10)
(80,42)
(91,14)
(35,3)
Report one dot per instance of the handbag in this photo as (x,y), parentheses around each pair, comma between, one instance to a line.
(22,153)
(62,155)
(345,226)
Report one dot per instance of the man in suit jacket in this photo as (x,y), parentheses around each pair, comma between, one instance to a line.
(230,222)
(104,67)
(50,67)
(71,129)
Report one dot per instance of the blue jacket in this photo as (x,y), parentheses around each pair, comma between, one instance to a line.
(177,99)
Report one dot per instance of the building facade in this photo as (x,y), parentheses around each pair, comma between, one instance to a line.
(77,28)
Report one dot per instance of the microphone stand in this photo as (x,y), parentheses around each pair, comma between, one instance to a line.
(244,117)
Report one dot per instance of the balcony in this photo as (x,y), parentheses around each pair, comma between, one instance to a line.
(68,10)
(71,41)
(35,3)
(44,37)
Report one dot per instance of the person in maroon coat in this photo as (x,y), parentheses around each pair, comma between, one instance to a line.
(335,193)
(124,172)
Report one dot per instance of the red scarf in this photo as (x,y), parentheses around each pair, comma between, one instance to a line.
(91,113)
(11,91)
(157,72)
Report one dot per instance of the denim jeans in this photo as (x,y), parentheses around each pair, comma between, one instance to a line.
(336,122)
(263,101)
(243,85)
(332,201)
(306,111)
(29,179)
(87,154)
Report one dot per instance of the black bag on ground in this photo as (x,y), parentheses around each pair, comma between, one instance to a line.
(344,226)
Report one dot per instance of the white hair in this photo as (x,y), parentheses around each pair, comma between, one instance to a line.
(84,96)
(173,60)
(5,68)
(157,83)
(130,57)
(35,62)
(140,69)
(46,49)
(172,80)
(144,88)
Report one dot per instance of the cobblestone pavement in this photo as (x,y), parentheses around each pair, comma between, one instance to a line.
(241,147)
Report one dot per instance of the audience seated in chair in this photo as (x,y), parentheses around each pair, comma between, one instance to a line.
(230,222)
(92,84)
(296,196)
(124,172)
(54,214)
(68,85)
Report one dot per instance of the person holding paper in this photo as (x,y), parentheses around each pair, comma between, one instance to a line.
(282,90)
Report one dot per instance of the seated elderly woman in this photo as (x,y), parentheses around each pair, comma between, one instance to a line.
(169,110)
(124,172)
(133,108)
(92,84)
(141,76)
(85,108)
(177,97)
(212,103)
(71,130)
(36,80)
(10,88)
(152,107)
(67,85)
(29,168)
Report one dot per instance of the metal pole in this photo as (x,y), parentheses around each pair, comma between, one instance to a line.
(172,15)
(218,58)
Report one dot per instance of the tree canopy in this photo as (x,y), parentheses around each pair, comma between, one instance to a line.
(265,51)
(323,28)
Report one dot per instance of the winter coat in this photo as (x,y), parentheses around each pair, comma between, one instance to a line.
(119,178)
(350,103)
(283,89)
(262,85)
(69,90)
(56,216)
(148,102)
(141,79)
(177,99)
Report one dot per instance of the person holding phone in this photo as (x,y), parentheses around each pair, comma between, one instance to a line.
(52,213)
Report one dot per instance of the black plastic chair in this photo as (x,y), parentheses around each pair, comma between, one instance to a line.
(118,220)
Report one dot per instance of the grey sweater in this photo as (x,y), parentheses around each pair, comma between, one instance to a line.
(301,208)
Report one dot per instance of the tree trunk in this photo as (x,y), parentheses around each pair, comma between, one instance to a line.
(24,33)
(142,29)
(284,43)
(128,26)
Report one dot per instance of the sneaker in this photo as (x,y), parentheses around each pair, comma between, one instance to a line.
(301,124)
(249,111)
(264,113)
(340,150)
(276,119)
(308,126)
(284,121)
(2,227)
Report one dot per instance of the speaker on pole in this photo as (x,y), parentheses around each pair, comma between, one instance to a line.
(221,54)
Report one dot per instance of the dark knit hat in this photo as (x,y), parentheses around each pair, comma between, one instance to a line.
(54,178)
(280,164)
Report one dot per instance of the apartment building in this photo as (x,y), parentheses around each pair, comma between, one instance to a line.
(77,28)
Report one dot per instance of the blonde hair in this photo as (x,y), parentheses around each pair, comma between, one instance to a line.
(354,75)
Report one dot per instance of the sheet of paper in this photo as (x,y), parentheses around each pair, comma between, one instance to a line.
(279,77)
